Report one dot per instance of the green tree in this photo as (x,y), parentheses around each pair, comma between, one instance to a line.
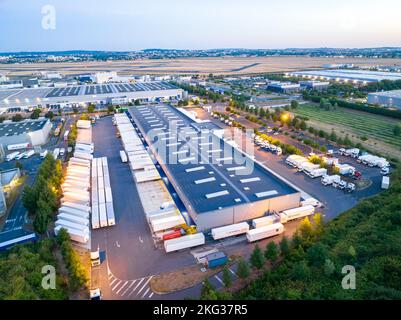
(271,252)
(49,115)
(318,224)
(285,246)
(226,277)
(305,231)
(257,258)
(317,254)
(91,108)
(206,288)
(35,114)
(243,269)
(29,199)
(329,267)
(300,271)
(303,125)
(19,165)
(17,118)
(294,104)
(137,102)
(397,130)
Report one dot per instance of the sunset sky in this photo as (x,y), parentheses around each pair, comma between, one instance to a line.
(195,24)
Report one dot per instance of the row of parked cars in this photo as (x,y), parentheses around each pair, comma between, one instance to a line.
(312,170)
(267,146)
(367,159)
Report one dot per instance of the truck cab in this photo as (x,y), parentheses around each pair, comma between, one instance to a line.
(95,294)
(95,258)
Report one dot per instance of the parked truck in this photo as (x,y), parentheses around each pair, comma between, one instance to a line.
(184,242)
(264,221)
(12,156)
(296,213)
(345,169)
(73,211)
(103,215)
(328,180)
(385,182)
(265,232)
(95,217)
(123,156)
(316,173)
(230,230)
(77,206)
(73,218)
(56,153)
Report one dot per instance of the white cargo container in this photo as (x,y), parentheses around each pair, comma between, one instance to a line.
(95,217)
(264,232)
(103,215)
(102,196)
(385,182)
(109,195)
(83,124)
(72,179)
(111,219)
(56,153)
(106,179)
(76,206)
(264,221)
(74,211)
(123,156)
(83,155)
(73,218)
(12,156)
(345,169)
(69,224)
(310,202)
(148,175)
(167,223)
(78,195)
(308,166)
(230,230)
(80,161)
(184,242)
(74,200)
(75,235)
(296,213)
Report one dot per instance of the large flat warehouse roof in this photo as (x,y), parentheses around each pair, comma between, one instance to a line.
(352,75)
(209,172)
(32,96)
(17,128)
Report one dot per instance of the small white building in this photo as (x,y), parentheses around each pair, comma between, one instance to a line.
(103,77)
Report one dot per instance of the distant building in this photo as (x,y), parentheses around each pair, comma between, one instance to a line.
(29,132)
(51,75)
(388,98)
(347,76)
(103,77)
(11,84)
(283,87)
(314,85)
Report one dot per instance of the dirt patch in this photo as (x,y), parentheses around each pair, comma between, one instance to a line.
(184,278)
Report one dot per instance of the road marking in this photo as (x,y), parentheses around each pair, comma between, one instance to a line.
(136,286)
(125,283)
(125,291)
(146,292)
(110,276)
(118,283)
(147,281)
(140,239)
(151,295)
(115,279)
(232,272)
(218,279)
(117,244)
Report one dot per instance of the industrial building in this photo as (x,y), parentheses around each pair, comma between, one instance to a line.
(283,87)
(82,94)
(388,98)
(314,85)
(351,76)
(29,132)
(218,184)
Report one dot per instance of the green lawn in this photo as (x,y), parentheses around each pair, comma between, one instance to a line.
(360,124)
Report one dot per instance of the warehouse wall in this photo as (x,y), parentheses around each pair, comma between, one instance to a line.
(39,137)
(245,212)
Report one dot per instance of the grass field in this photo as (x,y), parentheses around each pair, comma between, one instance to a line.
(378,129)
(217,65)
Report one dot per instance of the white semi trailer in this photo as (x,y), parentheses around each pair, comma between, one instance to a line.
(230,230)
(264,232)
(296,213)
(188,241)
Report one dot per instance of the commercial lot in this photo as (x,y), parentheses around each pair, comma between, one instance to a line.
(334,201)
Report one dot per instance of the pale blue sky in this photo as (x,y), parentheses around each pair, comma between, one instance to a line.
(199,24)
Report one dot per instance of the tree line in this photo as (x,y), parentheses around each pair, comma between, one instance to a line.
(41,199)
